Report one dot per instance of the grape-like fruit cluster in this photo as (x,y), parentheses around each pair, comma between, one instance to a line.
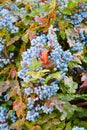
(17,12)
(81,15)
(3,119)
(77,47)
(83,37)
(7,23)
(43,92)
(78,128)
(62,3)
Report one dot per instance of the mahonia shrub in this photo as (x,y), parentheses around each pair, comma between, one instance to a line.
(43,65)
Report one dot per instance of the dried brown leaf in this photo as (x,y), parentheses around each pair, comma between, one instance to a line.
(37,127)
(13,40)
(17,125)
(15,89)
(19,107)
(57,103)
(4,86)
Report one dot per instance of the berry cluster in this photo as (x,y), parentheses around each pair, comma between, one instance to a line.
(3,119)
(83,37)
(77,17)
(44,48)
(5,23)
(13,117)
(3,60)
(78,128)
(15,11)
(77,47)
(62,3)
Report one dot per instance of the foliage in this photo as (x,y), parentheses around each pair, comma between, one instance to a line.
(43,65)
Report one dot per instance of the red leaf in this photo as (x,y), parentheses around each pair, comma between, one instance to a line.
(84,84)
(44,57)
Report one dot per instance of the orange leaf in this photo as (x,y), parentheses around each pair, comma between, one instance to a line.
(37,127)
(19,107)
(44,57)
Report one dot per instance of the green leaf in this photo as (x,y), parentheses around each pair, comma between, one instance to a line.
(56,75)
(68,126)
(12,48)
(70,84)
(26,20)
(35,75)
(28,125)
(25,38)
(65,11)
(35,64)
(43,8)
(82,113)
(62,34)
(63,116)
(69,97)
(85,59)
(72,4)
(61,125)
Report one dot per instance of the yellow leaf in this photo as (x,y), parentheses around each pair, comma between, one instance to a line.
(62,24)
(19,107)
(17,125)
(37,127)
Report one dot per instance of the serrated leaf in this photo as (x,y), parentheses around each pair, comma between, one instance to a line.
(65,11)
(37,127)
(35,75)
(35,64)
(4,86)
(13,40)
(57,103)
(39,10)
(84,84)
(56,75)
(61,125)
(25,38)
(19,107)
(68,126)
(15,89)
(26,20)
(17,125)
(29,124)
(62,34)
(11,48)
(72,86)
(63,24)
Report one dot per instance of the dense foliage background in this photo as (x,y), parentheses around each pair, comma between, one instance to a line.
(43,65)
